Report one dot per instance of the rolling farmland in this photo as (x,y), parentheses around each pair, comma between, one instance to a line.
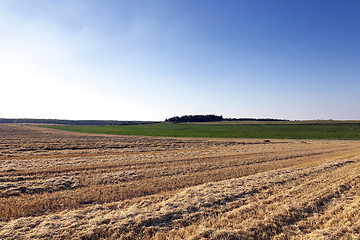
(69,185)
(345,130)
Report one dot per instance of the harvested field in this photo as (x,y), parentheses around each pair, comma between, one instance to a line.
(64,185)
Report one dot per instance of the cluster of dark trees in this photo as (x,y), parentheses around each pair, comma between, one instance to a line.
(71,122)
(213,118)
(195,118)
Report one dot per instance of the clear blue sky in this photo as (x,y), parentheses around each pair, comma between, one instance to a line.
(150,60)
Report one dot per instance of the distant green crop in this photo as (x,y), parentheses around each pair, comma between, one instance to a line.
(350,131)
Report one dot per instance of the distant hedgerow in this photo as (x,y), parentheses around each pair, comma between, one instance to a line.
(196,118)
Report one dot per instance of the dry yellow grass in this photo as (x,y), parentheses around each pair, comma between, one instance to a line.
(60,185)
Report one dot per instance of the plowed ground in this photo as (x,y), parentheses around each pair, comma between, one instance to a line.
(61,185)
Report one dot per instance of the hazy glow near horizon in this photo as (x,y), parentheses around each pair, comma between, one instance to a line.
(150,60)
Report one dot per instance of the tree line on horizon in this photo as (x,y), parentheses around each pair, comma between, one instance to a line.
(195,118)
(72,122)
(213,118)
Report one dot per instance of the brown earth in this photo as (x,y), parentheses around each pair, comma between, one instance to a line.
(61,185)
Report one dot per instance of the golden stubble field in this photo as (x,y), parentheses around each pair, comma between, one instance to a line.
(61,185)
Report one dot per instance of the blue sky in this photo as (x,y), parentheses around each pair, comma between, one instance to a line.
(150,60)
